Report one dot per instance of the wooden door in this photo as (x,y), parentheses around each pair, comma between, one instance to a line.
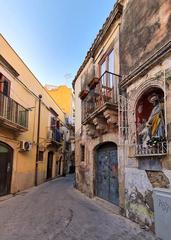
(107,186)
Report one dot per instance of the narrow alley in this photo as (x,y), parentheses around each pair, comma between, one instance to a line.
(56,211)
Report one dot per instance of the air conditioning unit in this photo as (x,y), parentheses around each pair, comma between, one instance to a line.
(25,146)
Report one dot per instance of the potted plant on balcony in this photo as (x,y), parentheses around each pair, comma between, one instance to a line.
(83,94)
(158,144)
(84,88)
(93,82)
(92,79)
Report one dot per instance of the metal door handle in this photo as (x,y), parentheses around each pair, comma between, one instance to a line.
(8,167)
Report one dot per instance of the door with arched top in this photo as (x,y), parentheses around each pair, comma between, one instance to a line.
(107,186)
(6,159)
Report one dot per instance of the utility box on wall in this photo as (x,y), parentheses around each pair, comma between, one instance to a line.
(162,212)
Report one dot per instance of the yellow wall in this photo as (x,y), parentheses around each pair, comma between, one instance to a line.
(63,97)
(25,90)
(27,78)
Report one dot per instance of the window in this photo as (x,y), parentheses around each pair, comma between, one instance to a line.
(4,85)
(40,155)
(6,88)
(1,82)
(82,152)
(107,64)
(107,78)
(53,122)
(111,63)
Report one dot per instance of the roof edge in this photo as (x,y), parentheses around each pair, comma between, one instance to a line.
(113,16)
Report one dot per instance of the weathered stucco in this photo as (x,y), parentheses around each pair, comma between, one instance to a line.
(138,194)
(139,184)
(145,28)
(25,90)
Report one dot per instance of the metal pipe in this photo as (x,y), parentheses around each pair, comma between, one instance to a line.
(38,135)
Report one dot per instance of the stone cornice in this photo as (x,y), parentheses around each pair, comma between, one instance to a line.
(140,71)
(114,15)
(4,63)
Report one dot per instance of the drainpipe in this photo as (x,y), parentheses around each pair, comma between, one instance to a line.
(64,156)
(38,134)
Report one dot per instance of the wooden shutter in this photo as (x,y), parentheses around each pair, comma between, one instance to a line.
(1,83)
(5,85)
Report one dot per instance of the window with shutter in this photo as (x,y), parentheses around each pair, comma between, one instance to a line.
(1,83)
(53,122)
(5,85)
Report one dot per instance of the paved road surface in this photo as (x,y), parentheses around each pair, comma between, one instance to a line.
(56,211)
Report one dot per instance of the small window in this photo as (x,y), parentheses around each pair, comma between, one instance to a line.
(53,122)
(82,152)
(40,155)
(4,85)
(6,88)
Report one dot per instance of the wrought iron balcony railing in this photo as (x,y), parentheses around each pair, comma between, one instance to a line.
(55,135)
(106,91)
(13,113)
(159,149)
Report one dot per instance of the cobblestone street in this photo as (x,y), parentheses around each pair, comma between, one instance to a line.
(56,211)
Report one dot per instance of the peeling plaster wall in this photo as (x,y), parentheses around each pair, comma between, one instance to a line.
(168,175)
(139,184)
(85,171)
(145,28)
(138,196)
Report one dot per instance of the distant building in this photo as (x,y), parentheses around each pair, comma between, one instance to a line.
(27,157)
(64,97)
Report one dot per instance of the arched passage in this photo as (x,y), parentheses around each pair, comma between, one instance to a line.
(107,186)
(6,160)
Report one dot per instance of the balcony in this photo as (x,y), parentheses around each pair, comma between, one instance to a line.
(54,135)
(159,149)
(12,114)
(100,106)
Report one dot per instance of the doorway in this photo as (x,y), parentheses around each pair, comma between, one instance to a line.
(49,165)
(6,159)
(59,166)
(107,186)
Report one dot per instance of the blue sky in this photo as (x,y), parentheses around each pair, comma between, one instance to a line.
(53,36)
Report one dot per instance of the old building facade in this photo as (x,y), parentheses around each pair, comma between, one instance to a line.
(98,170)
(31,147)
(123,89)
(64,97)
(145,51)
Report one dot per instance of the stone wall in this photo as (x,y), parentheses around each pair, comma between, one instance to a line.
(139,185)
(145,28)
(140,181)
(85,171)
(138,197)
